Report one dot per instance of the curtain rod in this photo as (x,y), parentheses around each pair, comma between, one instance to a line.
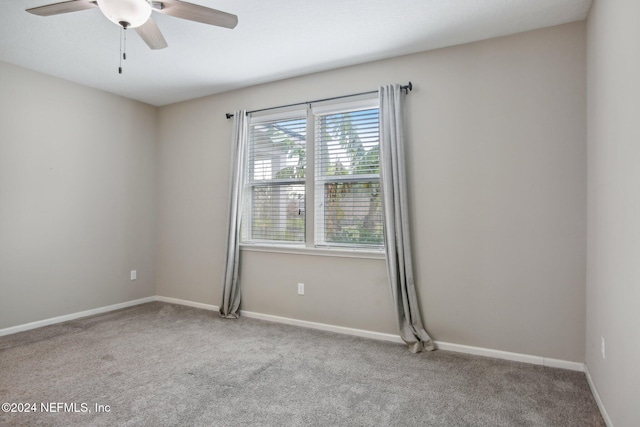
(408,88)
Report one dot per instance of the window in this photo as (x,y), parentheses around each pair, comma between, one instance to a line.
(326,156)
(347,185)
(275,194)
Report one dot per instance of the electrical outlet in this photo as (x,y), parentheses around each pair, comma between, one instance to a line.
(134,274)
(603,347)
(300,288)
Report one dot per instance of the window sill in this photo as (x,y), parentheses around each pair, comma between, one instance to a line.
(299,250)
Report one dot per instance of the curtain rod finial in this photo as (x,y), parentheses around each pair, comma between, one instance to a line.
(407,88)
(229,115)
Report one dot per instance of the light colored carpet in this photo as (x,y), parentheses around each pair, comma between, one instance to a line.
(160,364)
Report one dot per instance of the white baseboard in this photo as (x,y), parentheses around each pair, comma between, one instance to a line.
(479,351)
(516,357)
(596,395)
(289,321)
(188,303)
(324,327)
(73,316)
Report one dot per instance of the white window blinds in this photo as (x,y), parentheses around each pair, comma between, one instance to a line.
(347,179)
(335,166)
(275,209)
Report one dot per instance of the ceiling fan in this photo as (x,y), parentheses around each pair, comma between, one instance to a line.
(137,14)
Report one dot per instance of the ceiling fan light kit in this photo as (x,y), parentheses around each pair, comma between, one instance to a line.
(126,13)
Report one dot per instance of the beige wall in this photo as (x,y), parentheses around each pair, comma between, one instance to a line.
(613,274)
(497,179)
(77,197)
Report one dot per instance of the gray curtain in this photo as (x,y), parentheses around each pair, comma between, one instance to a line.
(396,220)
(230,307)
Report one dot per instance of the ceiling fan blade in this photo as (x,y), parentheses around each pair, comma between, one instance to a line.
(63,7)
(150,33)
(194,12)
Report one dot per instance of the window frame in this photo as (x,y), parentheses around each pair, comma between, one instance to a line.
(311,180)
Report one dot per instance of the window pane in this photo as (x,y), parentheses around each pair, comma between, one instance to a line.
(353,213)
(274,209)
(348,143)
(347,184)
(278,150)
(278,213)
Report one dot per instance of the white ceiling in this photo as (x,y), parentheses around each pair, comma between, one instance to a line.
(274,39)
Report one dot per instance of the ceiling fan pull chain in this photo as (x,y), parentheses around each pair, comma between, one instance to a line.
(123,44)
(124,52)
(120,56)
